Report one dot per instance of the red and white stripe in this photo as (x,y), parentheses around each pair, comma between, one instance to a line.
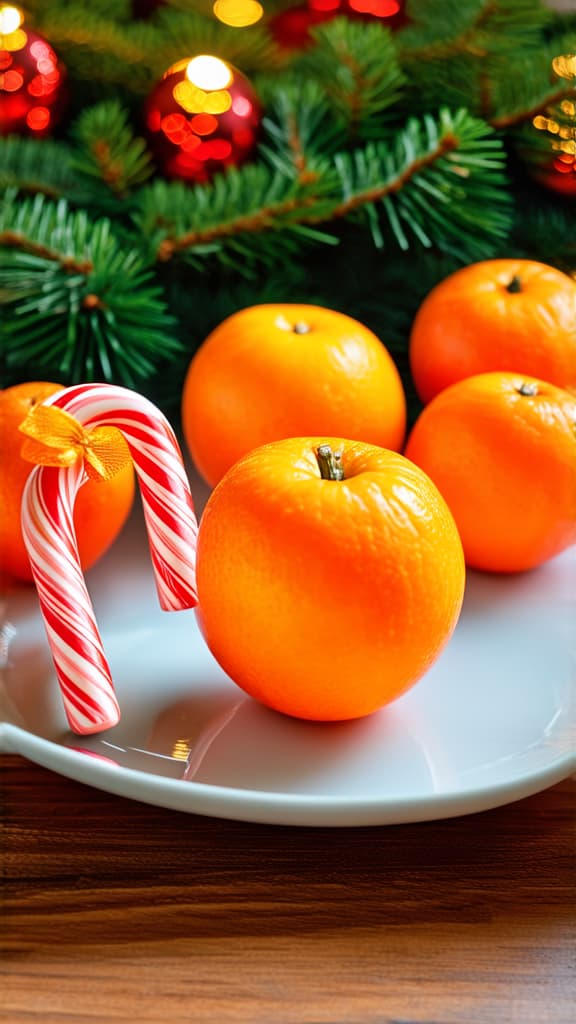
(48,528)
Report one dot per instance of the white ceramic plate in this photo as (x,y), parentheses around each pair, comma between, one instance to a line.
(493,721)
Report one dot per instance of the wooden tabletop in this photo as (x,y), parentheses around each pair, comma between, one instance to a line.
(116,911)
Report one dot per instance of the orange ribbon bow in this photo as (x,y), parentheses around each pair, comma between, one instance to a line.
(54,438)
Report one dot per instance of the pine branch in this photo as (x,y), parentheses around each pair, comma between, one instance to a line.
(527,86)
(299,123)
(441,184)
(357,65)
(77,304)
(471,28)
(458,53)
(246,216)
(181,34)
(37,166)
(98,50)
(110,154)
(119,10)
(133,55)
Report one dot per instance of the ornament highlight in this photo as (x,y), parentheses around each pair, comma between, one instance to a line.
(31,78)
(202,117)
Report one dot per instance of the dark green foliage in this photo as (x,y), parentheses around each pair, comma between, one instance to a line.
(77,304)
(385,161)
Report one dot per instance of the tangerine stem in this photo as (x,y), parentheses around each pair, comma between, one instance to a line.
(330,463)
(528,388)
(514,286)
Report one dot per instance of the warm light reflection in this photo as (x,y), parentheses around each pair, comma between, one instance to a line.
(15,41)
(377,8)
(197,101)
(181,750)
(238,13)
(208,73)
(565,65)
(38,118)
(10,19)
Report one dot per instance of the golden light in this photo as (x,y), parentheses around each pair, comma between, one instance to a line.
(10,19)
(565,65)
(238,13)
(181,750)
(208,73)
(196,101)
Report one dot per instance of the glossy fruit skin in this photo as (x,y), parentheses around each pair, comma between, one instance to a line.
(327,599)
(505,461)
(472,323)
(257,379)
(101,508)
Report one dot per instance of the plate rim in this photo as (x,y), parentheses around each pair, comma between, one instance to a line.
(277,808)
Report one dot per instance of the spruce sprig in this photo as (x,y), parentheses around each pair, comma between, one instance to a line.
(76,303)
(358,67)
(246,217)
(37,166)
(440,183)
(108,150)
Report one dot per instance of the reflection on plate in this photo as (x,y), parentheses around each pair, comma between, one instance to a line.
(493,721)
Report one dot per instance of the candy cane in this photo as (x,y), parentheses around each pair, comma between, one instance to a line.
(48,529)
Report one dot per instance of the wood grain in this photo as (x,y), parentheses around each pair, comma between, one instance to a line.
(115,911)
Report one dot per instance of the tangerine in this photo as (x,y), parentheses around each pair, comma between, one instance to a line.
(276,371)
(515,315)
(501,448)
(327,596)
(101,508)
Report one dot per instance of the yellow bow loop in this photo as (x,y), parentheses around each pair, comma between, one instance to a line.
(54,438)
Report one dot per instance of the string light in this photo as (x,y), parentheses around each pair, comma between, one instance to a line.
(238,13)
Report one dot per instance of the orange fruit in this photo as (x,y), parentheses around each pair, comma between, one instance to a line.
(324,598)
(515,315)
(101,508)
(501,448)
(275,371)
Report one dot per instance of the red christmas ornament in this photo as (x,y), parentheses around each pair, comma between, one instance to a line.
(31,78)
(202,116)
(291,28)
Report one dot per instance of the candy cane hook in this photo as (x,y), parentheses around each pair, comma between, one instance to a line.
(48,529)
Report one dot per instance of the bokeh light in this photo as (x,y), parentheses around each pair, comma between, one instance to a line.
(238,13)
(291,28)
(10,19)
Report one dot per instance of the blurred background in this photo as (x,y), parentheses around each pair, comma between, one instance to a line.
(164,163)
